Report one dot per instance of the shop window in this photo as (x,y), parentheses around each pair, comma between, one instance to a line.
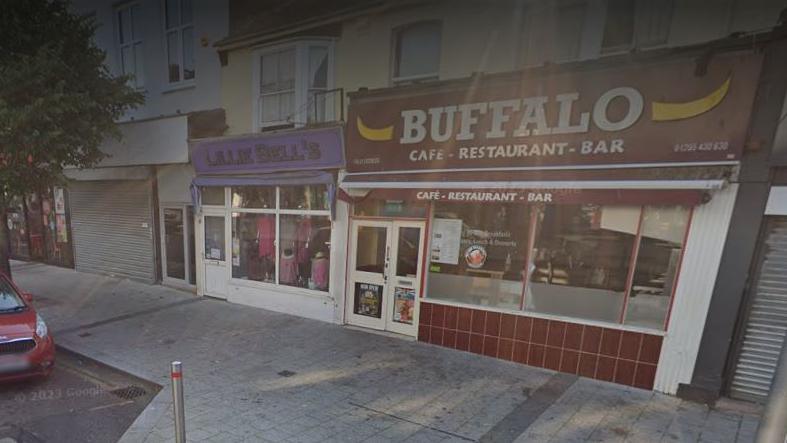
(581,260)
(658,257)
(179,40)
(292,85)
(305,197)
(417,52)
(288,244)
(212,196)
(613,264)
(129,40)
(636,24)
(305,251)
(477,254)
(254,197)
(254,246)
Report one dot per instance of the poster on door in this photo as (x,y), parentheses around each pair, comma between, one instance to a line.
(368,300)
(404,305)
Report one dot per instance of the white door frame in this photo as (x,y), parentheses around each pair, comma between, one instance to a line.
(387,280)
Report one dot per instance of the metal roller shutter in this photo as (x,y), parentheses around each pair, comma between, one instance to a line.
(766,322)
(112,227)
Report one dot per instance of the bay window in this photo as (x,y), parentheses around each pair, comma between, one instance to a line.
(291,85)
(601,263)
(281,235)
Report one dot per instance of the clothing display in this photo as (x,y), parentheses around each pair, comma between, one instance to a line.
(303,236)
(266,235)
(288,270)
(320,271)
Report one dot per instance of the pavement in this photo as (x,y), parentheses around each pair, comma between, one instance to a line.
(81,401)
(257,375)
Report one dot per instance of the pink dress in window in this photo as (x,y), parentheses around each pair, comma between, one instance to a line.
(288,269)
(266,234)
(320,267)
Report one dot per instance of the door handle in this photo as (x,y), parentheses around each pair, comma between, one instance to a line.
(405,282)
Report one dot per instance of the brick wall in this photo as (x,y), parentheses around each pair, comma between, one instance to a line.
(608,354)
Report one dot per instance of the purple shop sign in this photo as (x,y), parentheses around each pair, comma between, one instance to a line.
(284,151)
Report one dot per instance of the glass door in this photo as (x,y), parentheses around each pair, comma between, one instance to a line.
(385,275)
(215,256)
(369,262)
(404,284)
(177,245)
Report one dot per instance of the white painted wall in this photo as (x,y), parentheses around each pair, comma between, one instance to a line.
(174,182)
(699,268)
(148,142)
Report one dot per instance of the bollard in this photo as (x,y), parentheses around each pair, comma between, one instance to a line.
(177,402)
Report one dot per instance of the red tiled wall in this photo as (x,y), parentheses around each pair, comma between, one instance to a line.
(624,357)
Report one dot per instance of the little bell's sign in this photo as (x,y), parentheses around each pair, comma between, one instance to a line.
(282,151)
(655,113)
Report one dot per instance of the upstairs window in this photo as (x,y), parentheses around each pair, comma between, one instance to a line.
(636,24)
(417,52)
(293,86)
(179,38)
(129,38)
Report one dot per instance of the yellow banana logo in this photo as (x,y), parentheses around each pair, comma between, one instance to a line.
(375,135)
(663,112)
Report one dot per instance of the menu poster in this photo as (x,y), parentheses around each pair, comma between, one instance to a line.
(404,305)
(60,201)
(368,300)
(60,226)
(446,238)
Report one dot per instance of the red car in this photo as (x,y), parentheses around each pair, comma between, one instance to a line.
(26,348)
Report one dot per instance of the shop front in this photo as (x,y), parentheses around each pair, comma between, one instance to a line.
(38,227)
(267,217)
(572,220)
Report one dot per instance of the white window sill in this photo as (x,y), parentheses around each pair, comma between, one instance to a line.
(253,284)
(175,87)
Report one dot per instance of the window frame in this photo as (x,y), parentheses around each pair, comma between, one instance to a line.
(229,210)
(638,23)
(138,82)
(394,62)
(301,106)
(532,235)
(178,30)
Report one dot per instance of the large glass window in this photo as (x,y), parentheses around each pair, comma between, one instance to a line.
(477,253)
(614,264)
(282,235)
(581,259)
(658,256)
(305,250)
